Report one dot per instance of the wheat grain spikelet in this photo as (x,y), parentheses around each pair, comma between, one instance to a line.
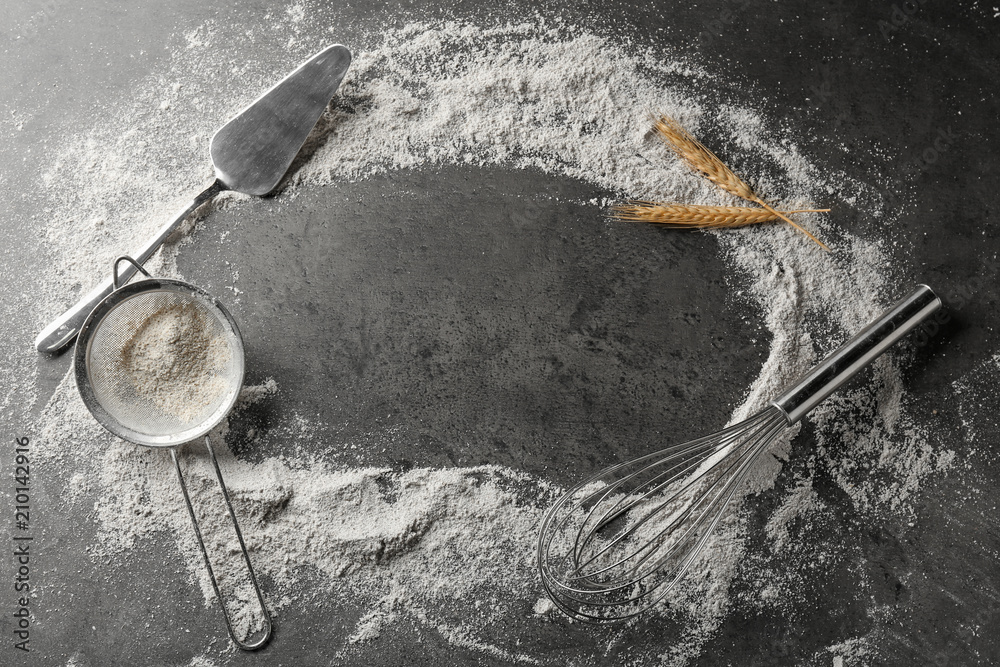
(701,159)
(683,216)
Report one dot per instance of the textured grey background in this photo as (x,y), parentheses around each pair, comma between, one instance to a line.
(413,317)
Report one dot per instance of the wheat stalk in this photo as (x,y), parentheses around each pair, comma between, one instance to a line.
(682,216)
(699,158)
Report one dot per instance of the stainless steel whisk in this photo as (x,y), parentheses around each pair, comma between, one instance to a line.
(616,544)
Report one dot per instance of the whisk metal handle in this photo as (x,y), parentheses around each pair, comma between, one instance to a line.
(857,353)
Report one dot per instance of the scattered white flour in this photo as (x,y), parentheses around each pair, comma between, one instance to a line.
(848,653)
(408,544)
(251,394)
(543,606)
(370,626)
(969,389)
(797,505)
(200,661)
(176,358)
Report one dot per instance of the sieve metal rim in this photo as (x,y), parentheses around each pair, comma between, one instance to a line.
(81,357)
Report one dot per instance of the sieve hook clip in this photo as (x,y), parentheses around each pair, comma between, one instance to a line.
(114,270)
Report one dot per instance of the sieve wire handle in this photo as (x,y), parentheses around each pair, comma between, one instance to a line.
(858,352)
(61,331)
(251,646)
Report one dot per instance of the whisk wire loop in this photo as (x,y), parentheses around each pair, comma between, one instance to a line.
(617,543)
(640,561)
(722,481)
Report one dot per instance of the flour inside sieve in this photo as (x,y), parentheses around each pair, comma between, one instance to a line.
(175,359)
(163,362)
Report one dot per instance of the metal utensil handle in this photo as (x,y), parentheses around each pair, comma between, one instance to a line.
(61,331)
(246,557)
(857,353)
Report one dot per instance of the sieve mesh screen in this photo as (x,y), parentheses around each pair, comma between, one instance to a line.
(162,362)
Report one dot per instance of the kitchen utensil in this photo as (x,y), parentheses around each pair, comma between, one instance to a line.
(251,153)
(615,544)
(113,397)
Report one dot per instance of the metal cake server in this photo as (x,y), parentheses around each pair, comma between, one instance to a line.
(251,154)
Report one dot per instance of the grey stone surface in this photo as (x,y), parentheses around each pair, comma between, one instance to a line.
(439,304)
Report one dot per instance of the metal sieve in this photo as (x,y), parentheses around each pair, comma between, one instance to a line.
(121,399)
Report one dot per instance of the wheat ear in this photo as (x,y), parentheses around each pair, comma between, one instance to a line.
(700,158)
(682,216)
